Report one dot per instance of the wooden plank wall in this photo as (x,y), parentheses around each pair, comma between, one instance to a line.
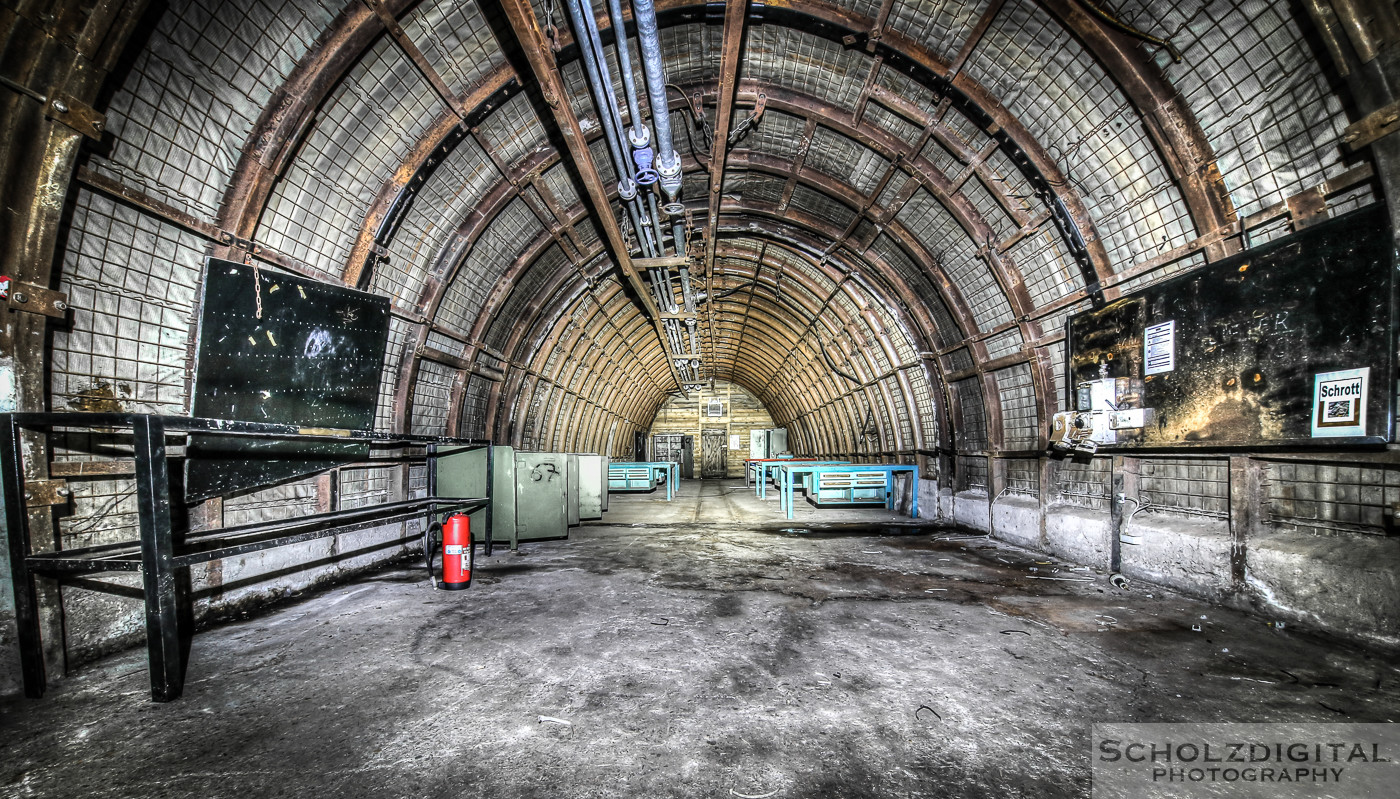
(742,413)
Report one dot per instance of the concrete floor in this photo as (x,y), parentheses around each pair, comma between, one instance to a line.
(701,648)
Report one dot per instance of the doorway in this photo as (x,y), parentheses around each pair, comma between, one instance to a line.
(714,454)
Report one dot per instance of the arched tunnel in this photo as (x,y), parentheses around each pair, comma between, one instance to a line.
(916,237)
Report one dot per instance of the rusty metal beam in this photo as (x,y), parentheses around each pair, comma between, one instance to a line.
(735,12)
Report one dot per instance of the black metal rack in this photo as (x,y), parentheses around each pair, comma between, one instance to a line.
(160,553)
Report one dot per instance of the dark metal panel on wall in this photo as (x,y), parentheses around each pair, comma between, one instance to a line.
(278,348)
(1290,343)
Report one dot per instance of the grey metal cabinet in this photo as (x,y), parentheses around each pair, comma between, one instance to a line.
(462,473)
(541,495)
(592,486)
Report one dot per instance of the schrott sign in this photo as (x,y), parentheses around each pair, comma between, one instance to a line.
(1144,761)
(1339,403)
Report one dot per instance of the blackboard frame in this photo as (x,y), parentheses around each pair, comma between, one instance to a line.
(274,347)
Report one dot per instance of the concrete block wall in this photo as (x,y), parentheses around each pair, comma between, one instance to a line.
(1297,552)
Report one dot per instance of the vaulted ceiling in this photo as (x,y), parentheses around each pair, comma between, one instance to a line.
(912,197)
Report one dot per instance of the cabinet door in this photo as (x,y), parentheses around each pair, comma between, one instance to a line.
(541,492)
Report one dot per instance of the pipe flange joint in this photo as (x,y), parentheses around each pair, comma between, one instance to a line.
(670,170)
(626,188)
(669,167)
(639,136)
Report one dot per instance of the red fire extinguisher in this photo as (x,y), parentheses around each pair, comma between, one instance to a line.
(457,552)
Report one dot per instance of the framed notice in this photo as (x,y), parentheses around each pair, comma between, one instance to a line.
(1339,403)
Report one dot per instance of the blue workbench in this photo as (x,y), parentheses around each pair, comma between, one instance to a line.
(787,480)
(642,476)
(766,471)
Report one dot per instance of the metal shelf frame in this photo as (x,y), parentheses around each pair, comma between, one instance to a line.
(162,552)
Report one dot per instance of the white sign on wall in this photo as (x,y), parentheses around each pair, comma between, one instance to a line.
(1159,348)
(733,442)
(1339,403)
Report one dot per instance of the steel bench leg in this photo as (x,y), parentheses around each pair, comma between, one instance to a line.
(31,647)
(157,561)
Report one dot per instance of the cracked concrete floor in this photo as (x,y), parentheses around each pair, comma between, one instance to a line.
(674,651)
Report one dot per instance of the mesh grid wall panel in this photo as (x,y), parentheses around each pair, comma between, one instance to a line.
(898,335)
(474,401)
(902,411)
(1056,350)
(103,512)
(953,251)
(1002,344)
(1061,94)
(1185,485)
(777,134)
(131,280)
(193,93)
(490,257)
(513,130)
(972,474)
(456,186)
(762,188)
(971,430)
(512,312)
(1276,124)
(923,404)
(361,135)
(417,481)
(1020,420)
(1083,484)
(270,504)
(833,212)
(847,160)
(940,25)
(456,39)
(973,137)
(1023,477)
(1048,272)
(889,196)
(958,360)
(988,208)
(1185,264)
(942,158)
(442,343)
(432,392)
(923,98)
(385,412)
(800,61)
(560,185)
(1328,498)
(691,53)
(890,122)
(1005,177)
(368,486)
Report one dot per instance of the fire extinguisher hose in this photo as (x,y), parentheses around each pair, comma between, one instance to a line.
(430,549)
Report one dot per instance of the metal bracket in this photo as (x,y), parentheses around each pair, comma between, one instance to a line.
(19,296)
(76,114)
(44,493)
(1381,122)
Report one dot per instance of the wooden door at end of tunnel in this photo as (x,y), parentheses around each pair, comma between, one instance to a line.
(714,453)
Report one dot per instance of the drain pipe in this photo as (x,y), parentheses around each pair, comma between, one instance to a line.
(668,163)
